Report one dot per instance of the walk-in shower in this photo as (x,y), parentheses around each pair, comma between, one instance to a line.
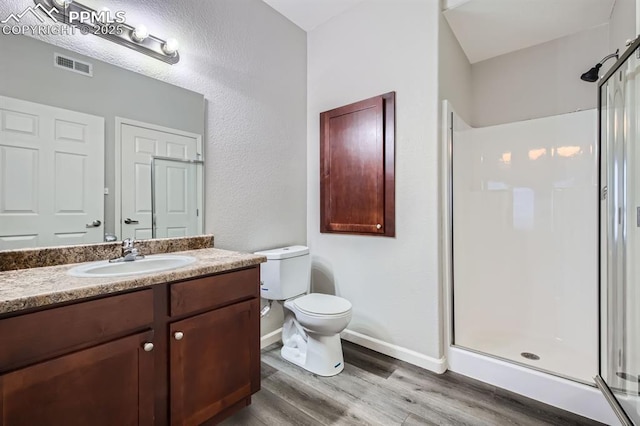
(542,251)
(524,218)
(522,243)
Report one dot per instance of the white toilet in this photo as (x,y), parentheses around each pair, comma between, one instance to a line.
(312,322)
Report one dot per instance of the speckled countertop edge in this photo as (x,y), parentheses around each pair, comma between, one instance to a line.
(40,287)
(51,256)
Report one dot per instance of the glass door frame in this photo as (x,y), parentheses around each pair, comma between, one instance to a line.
(604,195)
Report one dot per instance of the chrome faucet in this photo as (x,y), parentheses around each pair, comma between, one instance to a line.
(129,252)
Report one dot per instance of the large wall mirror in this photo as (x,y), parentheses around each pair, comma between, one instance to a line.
(90,151)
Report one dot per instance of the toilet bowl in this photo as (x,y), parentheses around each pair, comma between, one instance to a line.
(321,313)
(313,321)
(311,332)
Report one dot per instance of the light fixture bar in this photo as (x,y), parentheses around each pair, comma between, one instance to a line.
(149,45)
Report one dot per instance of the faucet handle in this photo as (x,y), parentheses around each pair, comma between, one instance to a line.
(127,243)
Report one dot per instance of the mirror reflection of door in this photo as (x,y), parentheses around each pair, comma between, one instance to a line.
(139,142)
(177,200)
(51,176)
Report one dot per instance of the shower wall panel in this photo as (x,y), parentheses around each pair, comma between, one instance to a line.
(525,242)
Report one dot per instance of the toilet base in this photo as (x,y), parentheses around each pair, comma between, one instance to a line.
(322,356)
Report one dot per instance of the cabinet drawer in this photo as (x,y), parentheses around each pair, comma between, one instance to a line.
(214,291)
(35,336)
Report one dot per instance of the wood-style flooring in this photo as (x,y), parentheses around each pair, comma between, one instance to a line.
(375,389)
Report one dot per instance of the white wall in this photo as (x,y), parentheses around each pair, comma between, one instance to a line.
(539,81)
(622,26)
(454,71)
(376,47)
(250,64)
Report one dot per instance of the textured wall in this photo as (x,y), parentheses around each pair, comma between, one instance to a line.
(376,47)
(538,81)
(250,64)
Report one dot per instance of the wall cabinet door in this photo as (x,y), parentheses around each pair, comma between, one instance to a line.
(110,384)
(214,362)
(357,169)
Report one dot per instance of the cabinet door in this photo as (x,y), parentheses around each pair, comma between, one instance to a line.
(214,361)
(103,385)
(357,183)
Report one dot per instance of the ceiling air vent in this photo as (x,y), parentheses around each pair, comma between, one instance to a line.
(74,65)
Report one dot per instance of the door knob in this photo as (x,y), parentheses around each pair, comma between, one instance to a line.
(130,221)
(148,347)
(96,223)
(178,335)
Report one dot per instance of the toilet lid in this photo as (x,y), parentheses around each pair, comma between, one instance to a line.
(323,304)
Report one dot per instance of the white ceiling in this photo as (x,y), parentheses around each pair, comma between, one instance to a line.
(489,28)
(308,14)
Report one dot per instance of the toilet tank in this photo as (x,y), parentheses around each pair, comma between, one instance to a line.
(286,273)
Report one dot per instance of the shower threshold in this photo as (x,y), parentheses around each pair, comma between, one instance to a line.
(553,358)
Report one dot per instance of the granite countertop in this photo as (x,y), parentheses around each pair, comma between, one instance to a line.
(38,287)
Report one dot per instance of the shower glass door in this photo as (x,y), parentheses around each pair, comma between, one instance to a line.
(619,377)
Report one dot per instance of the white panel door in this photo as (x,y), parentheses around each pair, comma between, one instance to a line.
(138,145)
(176,189)
(51,175)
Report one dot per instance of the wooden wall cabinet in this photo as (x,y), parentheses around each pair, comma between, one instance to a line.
(357,168)
(185,353)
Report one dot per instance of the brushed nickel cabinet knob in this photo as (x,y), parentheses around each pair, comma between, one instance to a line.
(148,347)
(178,335)
(378,226)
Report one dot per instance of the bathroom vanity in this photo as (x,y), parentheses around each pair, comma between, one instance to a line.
(180,347)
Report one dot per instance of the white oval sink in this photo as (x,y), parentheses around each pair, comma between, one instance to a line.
(154,263)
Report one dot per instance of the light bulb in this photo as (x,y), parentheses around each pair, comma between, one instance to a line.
(140,33)
(105,15)
(62,3)
(170,47)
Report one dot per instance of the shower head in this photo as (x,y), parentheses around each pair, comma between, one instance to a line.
(592,75)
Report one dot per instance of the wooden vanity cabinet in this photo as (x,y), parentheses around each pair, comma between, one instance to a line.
(85,363)
(109,384)
(214,356)
(184,353)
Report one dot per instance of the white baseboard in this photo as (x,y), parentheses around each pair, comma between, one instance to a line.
(271,338)
(412,357)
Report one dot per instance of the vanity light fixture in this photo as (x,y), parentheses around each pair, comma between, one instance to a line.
(103,24)
(170,47)
(139,34)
